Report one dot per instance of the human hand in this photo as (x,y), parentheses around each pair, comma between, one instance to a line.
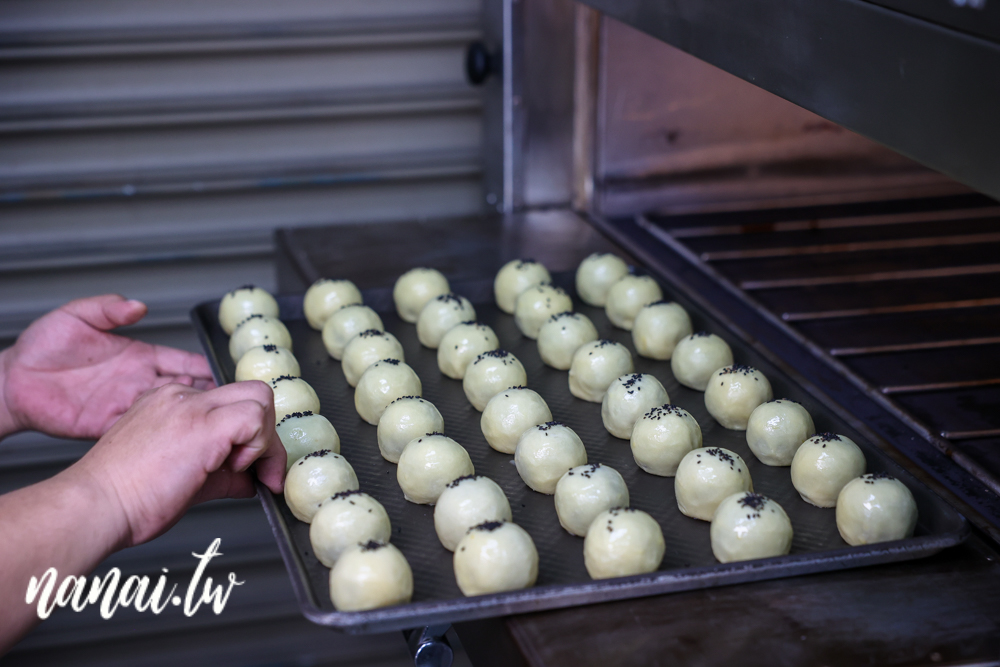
(178,446)
(67,376)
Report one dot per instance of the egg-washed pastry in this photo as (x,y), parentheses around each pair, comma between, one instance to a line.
(595,366)
(510,413)
(777,429)
(621,542)
(265,363)
(696,357)
(707,476)
(466,502)
(404,419)
(734,392)
(536,305)
(292,394)
(595,276)
(243,302)
(314,479)
(381,384)
(492,372)
(369,576)
(628,399)
(427,464)
(627,297)
(441,314)
(875,508)
(494,557)
(346,519)
(561,336)
(545,452)
(345,324)
(415,288)
(462,344)
(365,349)
(302,433)
(658,328)
(514,278)
(662,437)
(747,525)
(584,492)
(325,297)
(258,330)
(823,465)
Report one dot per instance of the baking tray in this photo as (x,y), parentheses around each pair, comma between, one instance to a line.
(562,578)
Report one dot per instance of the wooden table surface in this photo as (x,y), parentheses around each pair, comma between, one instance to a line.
(942,610)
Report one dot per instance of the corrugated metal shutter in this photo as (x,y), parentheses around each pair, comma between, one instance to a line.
(150,148)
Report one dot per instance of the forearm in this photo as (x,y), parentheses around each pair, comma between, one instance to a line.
(8,424)
(69,523)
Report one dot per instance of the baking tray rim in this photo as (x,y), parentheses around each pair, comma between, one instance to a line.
(554,596)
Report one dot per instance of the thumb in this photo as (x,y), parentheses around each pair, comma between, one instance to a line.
(107,311)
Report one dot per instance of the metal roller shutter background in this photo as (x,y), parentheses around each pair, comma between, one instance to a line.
(150,148)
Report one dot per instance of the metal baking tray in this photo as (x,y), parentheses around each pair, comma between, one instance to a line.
(562,579)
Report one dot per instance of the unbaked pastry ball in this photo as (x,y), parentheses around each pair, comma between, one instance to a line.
(266,362)
(510,413)
(536,305)
(467,502)
(545,452)
(439,315)
(494,557)
(595,276)
(427,464)
(314,479)
(514,278)
(561,336)
(243,302)
(415,288)
(406,418)
(776,430)
(627,297)
(293,394)
(492,372)
(734,392)
(325,297)
(347,519)
(698,356)
(875,508)
(748,525)
(584,492)
(823,464)
(258,330)
(628,399)
(462,344)
(595,366)
(662,437)
(658,328)
(621,542)
(345,324)
(381,384)
(707,476)
(365,349)
(369,576)
(303,433)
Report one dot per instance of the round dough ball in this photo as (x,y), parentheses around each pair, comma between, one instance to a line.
(462,344)
(325,297)
(514,278)
(369,576)
(875,508)
(510,413)
(365,349)
(243,302)
(441,314)
(347,519)
(776,430)
(822,466)
(381,384)
(707,476)
(490,373)
(406,418)
(345,324)
(622,542)
(494,557)
(595,276)
(314,479)
(698,356)
(545,452)
(536,305)
(293,394)
(627,297)
(734,392)
(427,464)
(561,336)
(662,437)
(304,432)
(628,399)
(415,288)
(595,366)
(748,525)
(258,330)
(584,492)
(658,328)
(467,502)
(265,363)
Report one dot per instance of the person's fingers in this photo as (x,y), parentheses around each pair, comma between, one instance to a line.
(246,426)
(225,483)
(270,465)
(203,384)
(162,380)
(249,390)
(107,311)
(171,361)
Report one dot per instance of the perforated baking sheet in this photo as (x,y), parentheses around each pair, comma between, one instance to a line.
(562,578)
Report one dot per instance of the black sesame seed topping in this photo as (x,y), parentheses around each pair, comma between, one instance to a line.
(604,342)
(391,362)
(548,425)
(458,480)
(753,501)
(524,263)
(827,437)
(700,334)
(296,415)
(371,333)
(270,348)
(318,453)
(436,433)
(248,286)
(406,398)
(664,410)
(562,315)
(346,494)
(871,477)
(275,381)
(255,316)
(632,380)
(721,454)
(450,297)
(517,386)
(488,526)
(372,545)
(492,354)
(737,369)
